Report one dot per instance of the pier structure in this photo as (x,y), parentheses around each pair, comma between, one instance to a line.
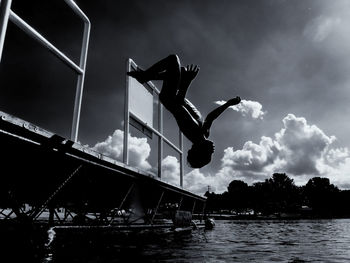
(50,180)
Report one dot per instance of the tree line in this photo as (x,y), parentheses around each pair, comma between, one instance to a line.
(279,194)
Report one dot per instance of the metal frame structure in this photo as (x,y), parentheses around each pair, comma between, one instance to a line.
(131,65)
(105,196)
(7,14)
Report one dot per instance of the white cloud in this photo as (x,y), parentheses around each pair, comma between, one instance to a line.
(252,157)
(171,170)
(139,149)
(298,149)
(303,145)
(198,183)
(319,28)
(194,181)
(247,108)
(112,146)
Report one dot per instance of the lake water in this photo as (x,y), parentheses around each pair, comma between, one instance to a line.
(230,241)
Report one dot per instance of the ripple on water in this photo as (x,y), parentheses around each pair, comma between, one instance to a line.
(234,241)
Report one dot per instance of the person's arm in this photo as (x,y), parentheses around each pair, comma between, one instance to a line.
(213,115)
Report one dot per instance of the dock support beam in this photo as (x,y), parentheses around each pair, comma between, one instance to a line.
(122,203)
(41,208)
(155,211)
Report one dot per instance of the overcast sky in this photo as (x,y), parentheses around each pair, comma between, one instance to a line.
(288,60)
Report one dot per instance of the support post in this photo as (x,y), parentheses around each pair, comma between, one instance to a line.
(122,203)
(5,6)
(180,203)
(80,83)
(126,196)
(203,212)
(57,216)
(181,159)
(9,214)
(155,212)
(194,205)
(82,65)
(51,215)
(160,139)
(36,213)
(66,214)
(126,116)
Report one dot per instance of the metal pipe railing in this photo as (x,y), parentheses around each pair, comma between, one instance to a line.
(157,133)
(42,40)
(6,13)
(5,6)
(82,64)
(181,140)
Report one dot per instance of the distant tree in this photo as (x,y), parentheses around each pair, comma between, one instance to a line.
(280,194)
(277,194)
(212,201)
(285,194)
(281,182)
(321,195)
(261,196)
(216,202)
(238,195)
(342,202)
(237,186)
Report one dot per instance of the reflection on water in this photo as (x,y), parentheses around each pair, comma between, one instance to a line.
(230,241)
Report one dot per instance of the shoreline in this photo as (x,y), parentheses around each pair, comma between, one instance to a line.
(272,217)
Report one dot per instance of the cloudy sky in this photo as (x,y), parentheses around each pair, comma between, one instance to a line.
(288,61)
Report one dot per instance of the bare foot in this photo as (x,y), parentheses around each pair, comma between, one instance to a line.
(139,75)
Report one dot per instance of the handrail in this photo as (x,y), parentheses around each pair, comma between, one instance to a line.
(4,17)
(78,11)
(156,132)
(6,13)
(37,36)
(82,64)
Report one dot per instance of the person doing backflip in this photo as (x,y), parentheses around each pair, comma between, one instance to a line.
(176,81)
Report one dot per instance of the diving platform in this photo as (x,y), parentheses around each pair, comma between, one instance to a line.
(46,174)
(54,181)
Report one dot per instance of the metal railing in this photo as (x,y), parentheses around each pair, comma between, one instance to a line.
(131,65)
(7,14)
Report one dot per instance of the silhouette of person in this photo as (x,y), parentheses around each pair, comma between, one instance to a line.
(176,81)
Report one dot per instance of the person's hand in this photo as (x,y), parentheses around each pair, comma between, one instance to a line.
(190,72)
(234,101)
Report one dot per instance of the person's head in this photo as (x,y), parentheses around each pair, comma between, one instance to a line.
(200,154)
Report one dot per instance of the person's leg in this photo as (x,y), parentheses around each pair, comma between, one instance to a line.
(158,71)
(168,70)
(183,86)
(213,115)
(187,76)
(171,79)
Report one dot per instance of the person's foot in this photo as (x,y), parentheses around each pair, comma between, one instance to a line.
(139,75)
(234,101)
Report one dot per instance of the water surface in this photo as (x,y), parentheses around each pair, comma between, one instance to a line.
(230,241)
